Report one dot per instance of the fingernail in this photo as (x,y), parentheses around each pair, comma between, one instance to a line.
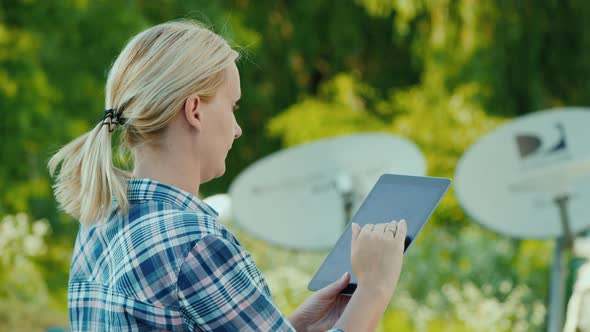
(403,220)
(355,224)
(343,276)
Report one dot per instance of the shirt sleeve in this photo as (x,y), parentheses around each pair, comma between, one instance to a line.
(217,293)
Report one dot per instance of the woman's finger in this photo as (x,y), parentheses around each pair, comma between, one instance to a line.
(380,228)
(367,228)
(402,229)
(356,230)
(391,229)
(336,287)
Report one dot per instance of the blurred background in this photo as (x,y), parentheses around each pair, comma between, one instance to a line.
(440,73)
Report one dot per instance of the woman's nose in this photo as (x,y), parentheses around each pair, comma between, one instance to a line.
(237,131)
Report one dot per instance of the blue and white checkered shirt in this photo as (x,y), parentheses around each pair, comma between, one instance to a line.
(166,265)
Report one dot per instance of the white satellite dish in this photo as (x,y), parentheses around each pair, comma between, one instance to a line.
(220,203)
(303,197)
(531,179)
(509,179)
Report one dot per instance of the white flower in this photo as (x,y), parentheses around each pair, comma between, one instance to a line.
(33,245)
(8,231)
(41,227)
(22,223)
(505,286)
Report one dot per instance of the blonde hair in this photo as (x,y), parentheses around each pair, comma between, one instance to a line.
(148,84)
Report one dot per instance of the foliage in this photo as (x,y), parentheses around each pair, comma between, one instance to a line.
(25,303)
(441,73)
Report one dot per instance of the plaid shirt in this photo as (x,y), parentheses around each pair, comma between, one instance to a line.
(168,264)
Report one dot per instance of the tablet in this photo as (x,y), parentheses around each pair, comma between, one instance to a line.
(393,197)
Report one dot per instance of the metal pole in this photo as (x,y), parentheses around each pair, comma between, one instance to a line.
(344,184)
(348,201)
(557,290)
(564,217)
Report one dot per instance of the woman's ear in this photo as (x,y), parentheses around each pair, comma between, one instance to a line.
(193,111)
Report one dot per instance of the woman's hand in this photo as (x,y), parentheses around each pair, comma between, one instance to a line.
(377,252)
(376,255)
(322,309)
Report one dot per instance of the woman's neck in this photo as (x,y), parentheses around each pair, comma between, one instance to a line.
(168,166)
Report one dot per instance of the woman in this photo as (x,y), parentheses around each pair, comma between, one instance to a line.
(149,254)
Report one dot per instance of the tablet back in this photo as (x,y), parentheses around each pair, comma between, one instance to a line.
(393,197)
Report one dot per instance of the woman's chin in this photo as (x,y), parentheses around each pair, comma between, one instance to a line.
(212,174)
(221,172)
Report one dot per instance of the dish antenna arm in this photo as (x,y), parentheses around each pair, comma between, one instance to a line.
(558,268)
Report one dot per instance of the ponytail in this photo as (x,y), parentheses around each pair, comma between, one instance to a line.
(87,180)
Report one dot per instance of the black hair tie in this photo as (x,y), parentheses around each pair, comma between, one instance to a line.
(112,118)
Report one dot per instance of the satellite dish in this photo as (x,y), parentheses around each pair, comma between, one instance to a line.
(303,197)
(508,181)
(531,179)
(220,203)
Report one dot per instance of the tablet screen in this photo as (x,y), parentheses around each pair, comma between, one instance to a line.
(393,197)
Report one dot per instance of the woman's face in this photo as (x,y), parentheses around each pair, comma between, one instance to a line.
(219,126)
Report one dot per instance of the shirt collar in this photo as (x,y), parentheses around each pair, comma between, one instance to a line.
(148,189)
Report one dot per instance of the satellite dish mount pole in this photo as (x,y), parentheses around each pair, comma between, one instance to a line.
(345,186)
(557,290)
